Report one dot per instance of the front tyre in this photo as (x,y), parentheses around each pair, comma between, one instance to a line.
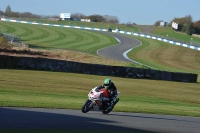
(86,107)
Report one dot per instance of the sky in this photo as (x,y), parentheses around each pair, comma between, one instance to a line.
(141,12)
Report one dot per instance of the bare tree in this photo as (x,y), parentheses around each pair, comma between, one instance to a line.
(110,19)
(78,15)
(8,11)
(1,13)
(157,23)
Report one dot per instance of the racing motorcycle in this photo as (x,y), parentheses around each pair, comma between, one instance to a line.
(100,101)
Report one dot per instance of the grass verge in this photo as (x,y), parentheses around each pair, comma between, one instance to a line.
(168,57)
(20,88)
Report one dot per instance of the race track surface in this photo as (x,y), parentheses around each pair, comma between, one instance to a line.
(116,52)
(38,118)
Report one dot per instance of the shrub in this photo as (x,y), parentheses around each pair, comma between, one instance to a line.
(4,43)
(3,40)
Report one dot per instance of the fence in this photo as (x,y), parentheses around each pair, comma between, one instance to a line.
(29,63)
(11,38)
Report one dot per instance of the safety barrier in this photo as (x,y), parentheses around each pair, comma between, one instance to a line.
(123,32)
(30,63)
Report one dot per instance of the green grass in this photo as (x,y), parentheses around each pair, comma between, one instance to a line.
(122,27)
(167,32)
(45,37)
(153,53)
(23,88)
(165,56)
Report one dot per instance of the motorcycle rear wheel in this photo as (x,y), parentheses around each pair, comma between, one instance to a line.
(86,107)
(106,111)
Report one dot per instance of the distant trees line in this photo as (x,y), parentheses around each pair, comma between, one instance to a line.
(185,24)
(95,18)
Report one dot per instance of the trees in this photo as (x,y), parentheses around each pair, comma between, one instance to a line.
(105,18)
(96,18)
(78,15)
(157,23)
(185,24)
(196,26)
(1,13)
(110,19)
(189,29)
(8,11)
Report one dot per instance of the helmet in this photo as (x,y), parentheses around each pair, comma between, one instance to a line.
(107,83)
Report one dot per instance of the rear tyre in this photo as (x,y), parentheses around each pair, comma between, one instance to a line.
(109,109)
(86,107)
(106,111)
(117,100)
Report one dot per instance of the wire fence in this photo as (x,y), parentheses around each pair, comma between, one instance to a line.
(194,43)
(14,40)
(10,38)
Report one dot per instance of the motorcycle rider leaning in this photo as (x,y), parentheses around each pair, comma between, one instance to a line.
(110,86)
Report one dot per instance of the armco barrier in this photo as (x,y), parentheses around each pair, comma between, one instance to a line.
(29,63)
(123,32)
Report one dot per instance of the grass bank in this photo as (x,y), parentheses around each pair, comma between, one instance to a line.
(46,37)
(168,57)
(20,88)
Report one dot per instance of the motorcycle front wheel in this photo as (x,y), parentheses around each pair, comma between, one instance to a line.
(86,107)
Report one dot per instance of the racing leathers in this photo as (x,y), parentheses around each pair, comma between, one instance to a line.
(112,89)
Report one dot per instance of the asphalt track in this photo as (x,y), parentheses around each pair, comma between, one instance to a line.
(64,119)
(41,118)
(115,52)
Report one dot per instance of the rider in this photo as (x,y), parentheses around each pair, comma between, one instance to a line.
(110,86)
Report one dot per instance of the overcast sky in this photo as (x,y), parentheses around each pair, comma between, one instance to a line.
(143,12)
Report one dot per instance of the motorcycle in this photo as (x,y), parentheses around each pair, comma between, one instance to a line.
(100,101)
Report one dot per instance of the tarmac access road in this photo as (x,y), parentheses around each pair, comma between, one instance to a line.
(42,118)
